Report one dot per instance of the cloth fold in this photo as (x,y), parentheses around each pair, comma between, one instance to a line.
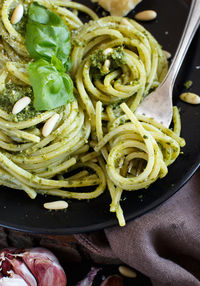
(163,244)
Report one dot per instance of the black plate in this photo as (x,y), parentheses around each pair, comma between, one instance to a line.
(19,212)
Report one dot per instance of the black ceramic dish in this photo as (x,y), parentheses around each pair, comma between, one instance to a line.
(19,212)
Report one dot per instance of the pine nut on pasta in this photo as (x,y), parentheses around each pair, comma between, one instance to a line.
(17,14)
(21,104)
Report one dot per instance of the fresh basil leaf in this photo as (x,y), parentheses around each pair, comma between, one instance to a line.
(68,65)
(47,35)
(57,64)
(51,88)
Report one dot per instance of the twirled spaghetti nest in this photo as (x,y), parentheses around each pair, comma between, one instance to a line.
(143,64)
(97,141)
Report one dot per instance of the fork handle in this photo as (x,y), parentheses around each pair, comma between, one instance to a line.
(191,27)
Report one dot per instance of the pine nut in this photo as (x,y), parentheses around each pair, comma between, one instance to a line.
(106,66)
(125,22)
(56,205)
(146,15)
(17,14)
(167,54)
(107,51)
(127,272)
(50,124)
(21,104)
(190,97)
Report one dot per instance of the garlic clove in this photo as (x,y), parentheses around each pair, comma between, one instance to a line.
(21,269)
(113,280)
(45,266)
(43,252)
(31,267)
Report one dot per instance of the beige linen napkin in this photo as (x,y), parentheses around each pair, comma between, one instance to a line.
(163,244)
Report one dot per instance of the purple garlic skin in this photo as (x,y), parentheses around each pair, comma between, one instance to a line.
(21,269)
(89,278)
(31,267)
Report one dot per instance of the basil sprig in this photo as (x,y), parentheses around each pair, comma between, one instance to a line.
(47,40)
(47,35)
(49,85)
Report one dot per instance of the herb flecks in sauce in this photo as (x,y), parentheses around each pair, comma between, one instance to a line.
(117,58)
(188,84)
(10,95)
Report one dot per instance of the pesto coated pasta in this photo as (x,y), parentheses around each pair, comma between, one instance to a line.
(97,140)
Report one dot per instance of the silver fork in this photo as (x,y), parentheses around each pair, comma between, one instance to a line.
(158,104)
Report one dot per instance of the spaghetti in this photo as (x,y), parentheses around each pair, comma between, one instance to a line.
(97,141)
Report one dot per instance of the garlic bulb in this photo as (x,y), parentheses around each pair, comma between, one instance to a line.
(31,267)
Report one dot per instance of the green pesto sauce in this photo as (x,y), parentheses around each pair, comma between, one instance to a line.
(117,58)
(11,95)
(188,84)
(20,27)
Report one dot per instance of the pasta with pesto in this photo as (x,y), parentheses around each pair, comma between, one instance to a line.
(97,140)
